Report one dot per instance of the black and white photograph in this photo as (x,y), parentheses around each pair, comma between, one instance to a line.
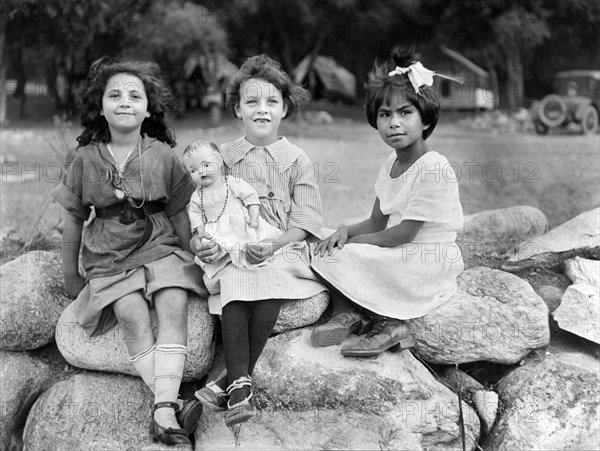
(300,225)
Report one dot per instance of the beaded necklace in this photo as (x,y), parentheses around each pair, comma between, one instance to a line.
(204,218)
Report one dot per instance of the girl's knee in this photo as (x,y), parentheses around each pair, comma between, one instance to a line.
(130,308)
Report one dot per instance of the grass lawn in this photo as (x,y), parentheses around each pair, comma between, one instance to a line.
(559,174)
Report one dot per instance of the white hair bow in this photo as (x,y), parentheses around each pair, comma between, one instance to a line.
(420,76)
(417,74)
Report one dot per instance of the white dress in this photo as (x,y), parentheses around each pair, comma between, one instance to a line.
(410,280)
(232,230)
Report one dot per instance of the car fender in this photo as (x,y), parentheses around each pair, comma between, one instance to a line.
(580,107)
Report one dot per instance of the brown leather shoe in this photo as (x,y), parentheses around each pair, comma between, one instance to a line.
(338,328)
(387,333)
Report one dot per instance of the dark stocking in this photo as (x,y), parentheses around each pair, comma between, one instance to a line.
(262,320)
(234,330)
(246,327)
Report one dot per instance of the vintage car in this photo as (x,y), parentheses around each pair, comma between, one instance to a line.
(576,100)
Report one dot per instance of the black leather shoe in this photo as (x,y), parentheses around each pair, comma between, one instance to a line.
(212,396)
(168,436)
(338,328)
(387,334)
(189,415)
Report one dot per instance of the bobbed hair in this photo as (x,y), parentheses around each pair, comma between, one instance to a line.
(381,88)
(263,68)
(160,100)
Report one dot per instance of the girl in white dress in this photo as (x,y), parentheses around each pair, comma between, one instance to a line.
(402,262)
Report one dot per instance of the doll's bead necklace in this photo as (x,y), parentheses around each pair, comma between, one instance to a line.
(204,218)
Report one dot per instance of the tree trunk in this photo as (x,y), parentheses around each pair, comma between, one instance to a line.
(514,79)
(325,32)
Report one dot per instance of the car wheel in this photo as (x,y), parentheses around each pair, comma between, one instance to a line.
(540,128)
(552,110)
(589,120)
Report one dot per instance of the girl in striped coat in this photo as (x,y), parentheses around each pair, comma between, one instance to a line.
(249,298)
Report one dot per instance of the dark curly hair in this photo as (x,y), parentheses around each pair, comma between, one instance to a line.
(381,88)
(267,69)
(160,100)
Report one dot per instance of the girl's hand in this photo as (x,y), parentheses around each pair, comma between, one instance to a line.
(258,252)
(73,285)
(338,239)
(206,251)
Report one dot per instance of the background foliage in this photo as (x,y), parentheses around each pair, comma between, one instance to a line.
(521,43)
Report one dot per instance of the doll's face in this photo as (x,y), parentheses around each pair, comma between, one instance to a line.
(261,109)
(124,103)
(204,166)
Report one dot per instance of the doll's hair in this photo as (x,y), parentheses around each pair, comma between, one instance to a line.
(160,100)
(262,67)
(200,145)
(382,88)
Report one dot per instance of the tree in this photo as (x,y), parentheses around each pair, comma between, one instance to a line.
(504,33)
(352,31)
(67,36)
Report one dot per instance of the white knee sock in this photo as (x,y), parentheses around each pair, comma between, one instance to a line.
(143,362)
(168,371)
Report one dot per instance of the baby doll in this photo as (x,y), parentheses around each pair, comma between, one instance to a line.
(223,208)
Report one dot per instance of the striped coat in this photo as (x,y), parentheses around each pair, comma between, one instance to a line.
(283,176)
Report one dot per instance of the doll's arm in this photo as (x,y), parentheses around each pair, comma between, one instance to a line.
(253,212)
(71,244)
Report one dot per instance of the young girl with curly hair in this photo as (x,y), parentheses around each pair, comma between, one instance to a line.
(136,248)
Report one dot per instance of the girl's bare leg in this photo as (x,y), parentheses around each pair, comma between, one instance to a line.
(134,318)
(171,351)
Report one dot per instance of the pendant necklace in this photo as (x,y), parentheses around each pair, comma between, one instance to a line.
(120,189)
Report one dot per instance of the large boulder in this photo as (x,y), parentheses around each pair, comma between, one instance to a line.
(579,310)
(576,237)
(504,224)
(549,404)
(313,398)
(24,377)
(299,313)
(107,352)
(91,411)
(495,316)
(31,300)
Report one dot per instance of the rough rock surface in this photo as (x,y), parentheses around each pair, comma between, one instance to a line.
(577,237)
(581,270)
(24,377)
(108,352)
(91,411)
(495,316)
(579,312)
(313,398)
(296,314)
(31,300)
(549,404)
(504,224)
(485,403)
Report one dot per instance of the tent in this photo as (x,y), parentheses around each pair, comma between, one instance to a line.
(326,78)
